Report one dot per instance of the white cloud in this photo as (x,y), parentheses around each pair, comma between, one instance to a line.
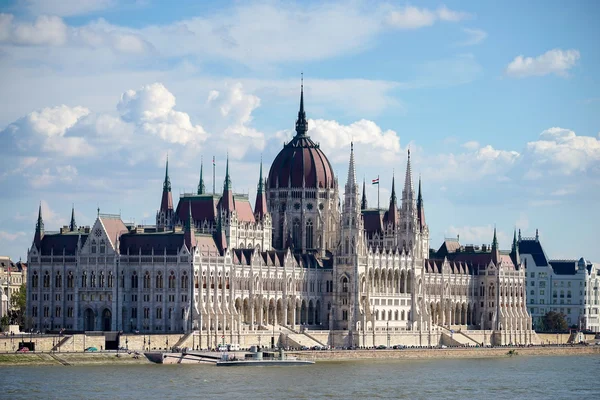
(45,30)
(66,8)
(50,217)
(151,109)
(46,130)
(560,151)
(482,234)
(475,36)
(52,175)
(10,236)
(471,145)
(410,17)
(555,61)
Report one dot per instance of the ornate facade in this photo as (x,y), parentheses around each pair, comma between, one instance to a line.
(298,260)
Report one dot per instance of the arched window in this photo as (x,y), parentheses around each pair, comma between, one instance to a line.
(35,280)
(102,247)
(84,279)
(110,279)
(70,279)
(184,281)
(309,234)
(344,285)
(296,237)
(93,246)
(159,280)
(46,279)
(147,280)
(172,280)
(58,280)
(101,280)
(93,279)
(134,280)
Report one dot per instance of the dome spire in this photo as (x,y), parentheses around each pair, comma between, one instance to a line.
(167,183)
(363,203)
(301,123)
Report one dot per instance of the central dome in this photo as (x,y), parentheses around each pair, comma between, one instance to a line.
(301,162)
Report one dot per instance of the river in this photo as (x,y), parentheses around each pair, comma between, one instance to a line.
(519,377)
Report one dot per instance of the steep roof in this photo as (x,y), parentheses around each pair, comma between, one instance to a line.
(373,221)
(204,207)
(54,243)
(534,248)
(564,267)
(114,226)
(172,242)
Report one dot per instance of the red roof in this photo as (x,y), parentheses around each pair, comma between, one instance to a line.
(114,227)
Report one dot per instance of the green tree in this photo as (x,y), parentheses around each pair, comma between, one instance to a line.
(554,322)
(18,304)
(4,322)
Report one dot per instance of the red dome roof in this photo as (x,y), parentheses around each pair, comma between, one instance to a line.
(301,160)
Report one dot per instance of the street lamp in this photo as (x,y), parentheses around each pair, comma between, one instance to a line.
(388,334)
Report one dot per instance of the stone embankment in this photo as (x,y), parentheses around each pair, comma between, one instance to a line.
(459,352)
(69,359)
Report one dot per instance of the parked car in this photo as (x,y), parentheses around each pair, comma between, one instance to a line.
(398,346)
(381,347)
(91,349)
(23,350)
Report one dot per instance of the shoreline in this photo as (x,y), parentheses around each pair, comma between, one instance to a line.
(110,358)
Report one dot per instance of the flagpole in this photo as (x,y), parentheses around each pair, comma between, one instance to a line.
(378,192)
(214,179)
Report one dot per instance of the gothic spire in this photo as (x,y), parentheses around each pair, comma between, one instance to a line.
(363,203)
(301,123)
(72,225)
(351,182)
(260,205)
(167,182)
(227,185)
(39,228)
(514,243)
(393,196)
(495,250)
(189,235)
(408,183)
(494,240)
(420,208)
(201,187)
(393,216)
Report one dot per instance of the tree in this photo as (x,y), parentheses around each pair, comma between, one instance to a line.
(554,322)
(18,304)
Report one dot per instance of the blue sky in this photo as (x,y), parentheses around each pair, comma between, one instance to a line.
(498,103)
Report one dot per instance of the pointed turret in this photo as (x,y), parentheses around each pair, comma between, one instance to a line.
(392,214)
(514,251)
(351,181)
(408,192)
(420,209)
(190,234)
(260,206)
(72,224)
(201,187)
(39,228)
(363,203)
(166,202)
(301,123)
(227,199)
(495,250)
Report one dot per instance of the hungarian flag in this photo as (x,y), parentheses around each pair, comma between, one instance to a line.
(213,160)
(375,181)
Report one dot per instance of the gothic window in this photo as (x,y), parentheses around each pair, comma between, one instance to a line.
(93,247)
(296,238)
(134,280)
(159,280)
(309,234)
(58,280)
(70,279)
(344,285)
(93,280)
(101,280)
(84,279)
(159,313)
(111,279)
(147,280)
(172,280)
(102,247)
(309,206)
(35,280)
(46,279)
(184,280)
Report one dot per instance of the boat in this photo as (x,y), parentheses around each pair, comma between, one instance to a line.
(183,357)
(257,358)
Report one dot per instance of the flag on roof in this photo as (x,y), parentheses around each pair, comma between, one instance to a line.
(375,181)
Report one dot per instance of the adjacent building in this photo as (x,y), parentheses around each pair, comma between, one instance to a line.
(566,286)
(12,276)
(300,258)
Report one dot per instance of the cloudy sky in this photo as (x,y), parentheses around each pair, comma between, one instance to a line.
(499,104)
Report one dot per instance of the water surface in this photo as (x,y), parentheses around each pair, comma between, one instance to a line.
(525,377)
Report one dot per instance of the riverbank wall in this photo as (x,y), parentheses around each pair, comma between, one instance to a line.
(102,358)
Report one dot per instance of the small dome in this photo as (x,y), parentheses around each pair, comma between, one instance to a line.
(301,162)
